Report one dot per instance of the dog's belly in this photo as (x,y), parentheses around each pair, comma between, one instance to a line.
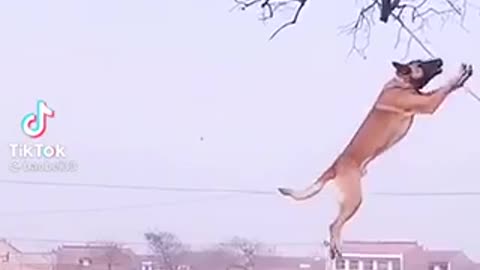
(379,132)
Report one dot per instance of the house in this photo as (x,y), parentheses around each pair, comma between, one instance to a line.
(449,260)
(289,263)
(210,260)
(14,259)
(221,260)
(37,261)
(95,257)
(398,255)
(357,255)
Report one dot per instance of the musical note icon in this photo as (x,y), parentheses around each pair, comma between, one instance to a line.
(34,125)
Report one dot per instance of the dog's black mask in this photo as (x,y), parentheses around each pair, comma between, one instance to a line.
(419,72)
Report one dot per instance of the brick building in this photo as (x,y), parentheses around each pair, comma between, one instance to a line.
(95,257)
(12,258)
(218,260)
(399,255)
(357,255)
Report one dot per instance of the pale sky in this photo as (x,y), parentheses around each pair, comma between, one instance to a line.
(135,84)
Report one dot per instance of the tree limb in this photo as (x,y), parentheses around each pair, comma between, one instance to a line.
(270,7)
(293,21)
(419,14)
(411,16)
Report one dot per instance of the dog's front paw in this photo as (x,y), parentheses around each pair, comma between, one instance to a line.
(465,72)
(285,191)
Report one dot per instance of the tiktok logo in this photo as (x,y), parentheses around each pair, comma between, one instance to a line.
(34,125)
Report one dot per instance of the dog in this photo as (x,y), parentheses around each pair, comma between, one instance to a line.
(387,123)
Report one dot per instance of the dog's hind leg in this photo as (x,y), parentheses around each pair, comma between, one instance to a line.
(311,190)
(350,192)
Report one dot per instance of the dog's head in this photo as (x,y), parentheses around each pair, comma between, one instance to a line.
(418,73)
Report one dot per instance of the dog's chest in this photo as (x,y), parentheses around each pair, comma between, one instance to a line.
(399,128)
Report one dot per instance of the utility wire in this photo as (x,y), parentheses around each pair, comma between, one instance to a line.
(139,243)
(428,194)
(48,212)
(30,213)
(139,187)
(214,190)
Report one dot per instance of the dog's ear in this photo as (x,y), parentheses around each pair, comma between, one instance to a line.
(402,68)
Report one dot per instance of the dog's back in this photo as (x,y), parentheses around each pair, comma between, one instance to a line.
(383,127)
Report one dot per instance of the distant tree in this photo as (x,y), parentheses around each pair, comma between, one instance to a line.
(167,247)
(113,254)
(244,248)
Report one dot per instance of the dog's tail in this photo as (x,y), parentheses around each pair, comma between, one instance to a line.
(310,191)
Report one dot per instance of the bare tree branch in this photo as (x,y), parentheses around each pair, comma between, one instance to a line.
(167,247)
(113,254)
(293,21)
(387,6)
(412,17)
(362,21)
(270,7)
(246,249)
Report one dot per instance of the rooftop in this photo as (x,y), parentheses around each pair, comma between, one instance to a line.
(380,247)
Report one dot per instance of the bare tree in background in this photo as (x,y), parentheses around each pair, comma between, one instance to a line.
(244,248)
(113,254)
(413,18)
(167,247)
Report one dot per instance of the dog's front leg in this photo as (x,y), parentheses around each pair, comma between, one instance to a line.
(438,96)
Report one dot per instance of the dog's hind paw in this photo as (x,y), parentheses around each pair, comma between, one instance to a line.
(332,254)
(335,253)
(285,191)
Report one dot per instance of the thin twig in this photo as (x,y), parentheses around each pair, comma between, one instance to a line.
(270,7)
(293,21)
(419,14)
(412,34)
(354,27)
(469,91)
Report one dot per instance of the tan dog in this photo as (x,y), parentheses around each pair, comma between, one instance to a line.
(385,125)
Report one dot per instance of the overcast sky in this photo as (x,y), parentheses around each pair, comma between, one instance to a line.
(136,84)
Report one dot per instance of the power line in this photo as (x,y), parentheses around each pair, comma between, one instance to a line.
(140,187)
(113,208)
(70,241)
(213,190)
(145,243)
(427,194)
(46,212)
